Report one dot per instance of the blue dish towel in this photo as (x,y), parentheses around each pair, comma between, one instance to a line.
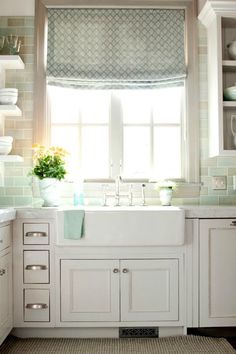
(73,224)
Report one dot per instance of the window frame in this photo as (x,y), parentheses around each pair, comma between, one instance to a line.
(41,123)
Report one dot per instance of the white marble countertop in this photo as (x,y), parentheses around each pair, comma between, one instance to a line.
(209,211)
(201,212)
(7,214)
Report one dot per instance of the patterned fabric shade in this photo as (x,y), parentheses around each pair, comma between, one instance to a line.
(115,48)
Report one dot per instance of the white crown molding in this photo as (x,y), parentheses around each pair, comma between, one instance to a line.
(214,8)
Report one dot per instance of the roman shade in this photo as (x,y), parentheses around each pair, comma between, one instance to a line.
(115,48)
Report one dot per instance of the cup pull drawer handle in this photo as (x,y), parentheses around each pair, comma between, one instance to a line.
(36,306)
(36,267)
(2,272)
(125,270)
(36,234)
(233,223)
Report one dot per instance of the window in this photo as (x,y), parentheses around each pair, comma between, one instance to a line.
(133,132)
(145,133)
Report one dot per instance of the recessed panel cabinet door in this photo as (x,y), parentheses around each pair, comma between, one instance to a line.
(5,292)
(89,290)
(150,290)
(217,272)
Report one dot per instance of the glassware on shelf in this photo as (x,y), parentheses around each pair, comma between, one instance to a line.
(2,41)
(10,45)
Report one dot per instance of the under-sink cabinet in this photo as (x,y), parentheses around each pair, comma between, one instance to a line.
(119,290)
(6,321)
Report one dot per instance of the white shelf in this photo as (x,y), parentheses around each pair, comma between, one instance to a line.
(229,104)
(229,65)
(11,62)
(10,110)
(11,158)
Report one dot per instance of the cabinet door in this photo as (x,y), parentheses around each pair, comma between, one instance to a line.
(89,290)
(149,290)
(5,292)
(217,272)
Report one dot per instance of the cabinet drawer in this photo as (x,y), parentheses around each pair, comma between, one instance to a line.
(36,267)
(36,305)
(5,237)
(36,234)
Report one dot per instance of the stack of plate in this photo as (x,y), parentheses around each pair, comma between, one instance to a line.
(8,95)
(5,144)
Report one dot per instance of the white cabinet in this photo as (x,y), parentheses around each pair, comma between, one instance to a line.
(217,261)
(5,282)
(220,21)
(120,290)
(149,290)
(5,293)
(89,290)
(34,284)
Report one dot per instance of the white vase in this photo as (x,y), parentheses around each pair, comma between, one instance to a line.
(165,195)
(50,191)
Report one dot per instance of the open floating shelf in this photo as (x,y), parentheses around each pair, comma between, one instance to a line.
(11,62)
(11,158)
(10,110)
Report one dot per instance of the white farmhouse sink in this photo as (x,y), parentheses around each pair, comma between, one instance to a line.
(129,226)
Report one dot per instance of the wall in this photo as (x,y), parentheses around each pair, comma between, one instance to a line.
(17,7)
(18,188)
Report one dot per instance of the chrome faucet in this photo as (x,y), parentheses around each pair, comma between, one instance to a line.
(117,194)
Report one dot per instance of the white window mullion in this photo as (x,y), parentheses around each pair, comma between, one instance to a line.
(116,134)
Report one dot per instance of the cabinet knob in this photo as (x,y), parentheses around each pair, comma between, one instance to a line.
(233,223)
(1,241)
(125,270)
(36,267)
(116,270)
(36,306)
(36,234)
(2,272)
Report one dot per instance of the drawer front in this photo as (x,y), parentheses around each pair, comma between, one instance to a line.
(36,234)
(36,267)
(5,237)
(36,305)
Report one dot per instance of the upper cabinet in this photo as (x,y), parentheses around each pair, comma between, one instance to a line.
(9,62)
(219,17)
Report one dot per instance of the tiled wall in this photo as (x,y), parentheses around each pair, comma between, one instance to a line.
(18,189)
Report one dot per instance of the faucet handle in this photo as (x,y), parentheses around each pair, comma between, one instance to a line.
(131,194)
(104,197)
(143,194)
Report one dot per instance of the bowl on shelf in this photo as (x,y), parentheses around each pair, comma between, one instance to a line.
(5,149)
(5,144)
(8,95)
(230,93)
(6,139)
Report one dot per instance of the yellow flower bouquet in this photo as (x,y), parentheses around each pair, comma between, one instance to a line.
(49,162)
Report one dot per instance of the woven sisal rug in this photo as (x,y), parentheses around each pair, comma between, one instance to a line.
(181,345)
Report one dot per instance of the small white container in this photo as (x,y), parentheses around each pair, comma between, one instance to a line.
(5,150)
(232,50)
